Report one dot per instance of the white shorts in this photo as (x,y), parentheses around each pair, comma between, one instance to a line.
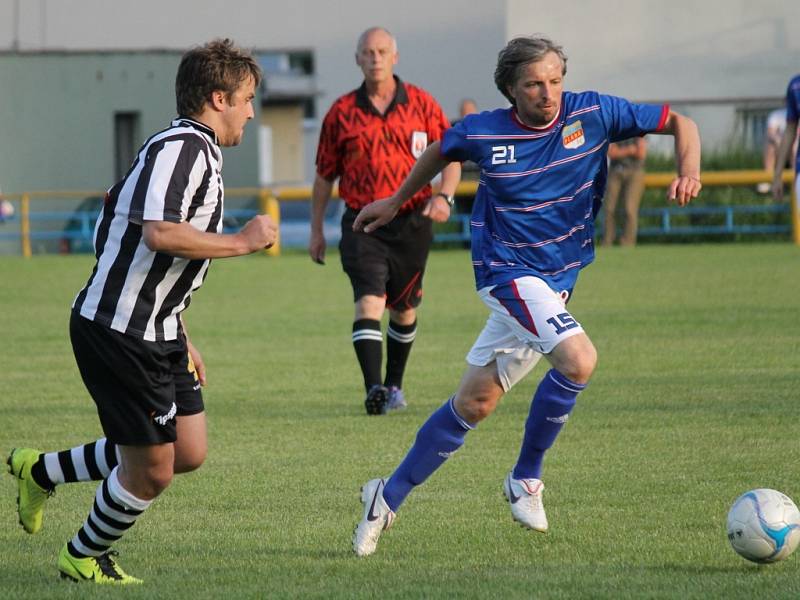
(527,319)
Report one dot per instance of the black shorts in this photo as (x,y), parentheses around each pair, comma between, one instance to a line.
(388,262)
(138,386)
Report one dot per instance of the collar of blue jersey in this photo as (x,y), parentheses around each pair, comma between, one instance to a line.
(400,97)
(516,118)
(199,126)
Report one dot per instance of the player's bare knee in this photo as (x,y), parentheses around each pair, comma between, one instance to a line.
(159,484)
(475,407)
(156,479)
(403,317)
(580,364)
(191,461)
(583,366)
(482,409)
(370,307)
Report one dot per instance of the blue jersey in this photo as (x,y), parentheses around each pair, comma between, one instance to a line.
(540,188)
(793,109)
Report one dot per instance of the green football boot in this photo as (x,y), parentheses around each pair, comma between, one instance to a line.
(30,495)
(97,569)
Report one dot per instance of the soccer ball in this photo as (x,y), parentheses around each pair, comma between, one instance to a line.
(764,526)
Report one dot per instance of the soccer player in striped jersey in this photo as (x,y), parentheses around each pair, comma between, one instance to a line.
(543,173)
(154,239)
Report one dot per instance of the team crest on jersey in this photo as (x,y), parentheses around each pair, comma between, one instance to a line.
(572,135)
(419,141)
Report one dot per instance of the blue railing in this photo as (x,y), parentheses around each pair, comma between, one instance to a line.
(662,221)
(80,226)
(729,220)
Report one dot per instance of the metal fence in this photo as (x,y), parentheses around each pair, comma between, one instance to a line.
(63,221)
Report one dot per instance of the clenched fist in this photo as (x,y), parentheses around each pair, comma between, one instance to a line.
(259,232)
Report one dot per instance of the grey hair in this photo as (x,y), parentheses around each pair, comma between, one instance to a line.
(363,37)
(519,53)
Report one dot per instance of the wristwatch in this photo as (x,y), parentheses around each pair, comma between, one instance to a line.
(447,198)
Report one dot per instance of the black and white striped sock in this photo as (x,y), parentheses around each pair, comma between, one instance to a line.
(90,462)
(115,511)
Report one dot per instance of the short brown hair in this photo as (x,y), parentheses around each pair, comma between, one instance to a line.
(519,53)
(218,65)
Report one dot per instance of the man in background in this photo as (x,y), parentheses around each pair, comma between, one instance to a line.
(773,134)
(467,106)
(626,183)
(370,139)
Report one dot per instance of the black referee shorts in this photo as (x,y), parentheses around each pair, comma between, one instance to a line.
(389,261)
(138,386)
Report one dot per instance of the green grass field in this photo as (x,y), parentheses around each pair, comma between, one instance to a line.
(694,401)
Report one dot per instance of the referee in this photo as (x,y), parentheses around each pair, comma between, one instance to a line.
(154,239)
(370,139)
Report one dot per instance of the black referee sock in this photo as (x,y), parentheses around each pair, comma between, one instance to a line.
(398,346)
(368,344)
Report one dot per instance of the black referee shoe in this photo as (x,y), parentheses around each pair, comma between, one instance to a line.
(377,399)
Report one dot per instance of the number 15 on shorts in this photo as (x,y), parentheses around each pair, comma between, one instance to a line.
(563,322)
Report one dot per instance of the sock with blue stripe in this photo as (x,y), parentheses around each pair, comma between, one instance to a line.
(554,399)
(438,438)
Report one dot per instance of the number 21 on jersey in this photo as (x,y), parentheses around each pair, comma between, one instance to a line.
(502,155)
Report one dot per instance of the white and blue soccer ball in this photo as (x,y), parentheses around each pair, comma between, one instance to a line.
(764,526)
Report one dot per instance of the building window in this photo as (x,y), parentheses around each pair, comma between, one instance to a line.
(289,78)
(751,126)
(126,136)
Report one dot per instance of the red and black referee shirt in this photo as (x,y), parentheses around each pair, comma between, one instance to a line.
(370,153)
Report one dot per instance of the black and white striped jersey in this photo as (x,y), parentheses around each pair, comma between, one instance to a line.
(176,177)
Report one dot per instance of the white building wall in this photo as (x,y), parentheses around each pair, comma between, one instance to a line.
(676,49)
(683,51)
(679,51)
(447,47)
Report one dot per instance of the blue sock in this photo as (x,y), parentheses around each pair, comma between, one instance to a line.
(554,399)
(438,438)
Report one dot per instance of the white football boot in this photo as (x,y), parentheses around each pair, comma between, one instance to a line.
(525,499)
(377,517)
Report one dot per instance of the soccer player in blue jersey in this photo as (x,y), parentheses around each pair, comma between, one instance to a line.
(543,173)
(787,141)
